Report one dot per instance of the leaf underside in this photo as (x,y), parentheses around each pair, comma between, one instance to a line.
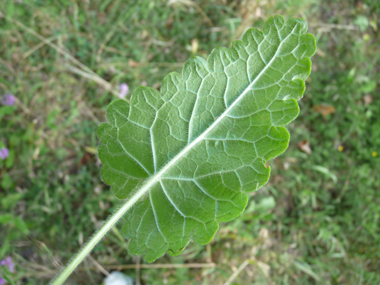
(204,140)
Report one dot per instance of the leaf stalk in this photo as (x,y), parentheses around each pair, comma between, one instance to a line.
(95,239)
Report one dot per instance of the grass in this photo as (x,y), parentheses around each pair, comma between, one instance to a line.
(316,222)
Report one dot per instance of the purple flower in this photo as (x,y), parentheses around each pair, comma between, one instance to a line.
(8,99)
(4,153)
(123,90)
(2,281)
(8,263)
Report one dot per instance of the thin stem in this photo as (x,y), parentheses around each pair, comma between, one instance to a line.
(95,239)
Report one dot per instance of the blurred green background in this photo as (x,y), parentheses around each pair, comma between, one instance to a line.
(316,222)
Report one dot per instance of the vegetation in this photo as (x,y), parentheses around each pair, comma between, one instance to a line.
(317,221)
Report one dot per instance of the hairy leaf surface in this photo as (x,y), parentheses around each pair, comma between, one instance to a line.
(193,151)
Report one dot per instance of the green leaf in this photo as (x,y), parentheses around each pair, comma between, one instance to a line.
(193,151)
(10,9)
(6,110)
(6,181)
(21,225)
(5,218)
(10,159)
(10,200)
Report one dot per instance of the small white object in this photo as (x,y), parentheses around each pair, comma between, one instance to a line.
(118,278)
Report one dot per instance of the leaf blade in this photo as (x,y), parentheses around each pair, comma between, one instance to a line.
(196,149)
